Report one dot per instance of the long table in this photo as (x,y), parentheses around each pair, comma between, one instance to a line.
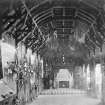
(6,94)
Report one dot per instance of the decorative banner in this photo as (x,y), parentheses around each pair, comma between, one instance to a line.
(1,71)
(88,76)
(28,55)
(103,49)
(98,74)
(42,67)
(84,74)
(8,55)
(98,80)
(21,51)
(32,59)
(36,60)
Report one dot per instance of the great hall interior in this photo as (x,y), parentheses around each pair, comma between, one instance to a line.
(52,52)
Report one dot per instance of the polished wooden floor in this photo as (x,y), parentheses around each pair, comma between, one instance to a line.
(76,98)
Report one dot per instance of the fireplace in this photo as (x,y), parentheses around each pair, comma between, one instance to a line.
(63,84)
(64,79)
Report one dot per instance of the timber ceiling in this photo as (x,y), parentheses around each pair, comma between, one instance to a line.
(54,28)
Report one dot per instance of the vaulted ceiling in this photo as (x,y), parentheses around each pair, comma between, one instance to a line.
(56,28)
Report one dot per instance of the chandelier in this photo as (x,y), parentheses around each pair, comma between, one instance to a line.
(53,42)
